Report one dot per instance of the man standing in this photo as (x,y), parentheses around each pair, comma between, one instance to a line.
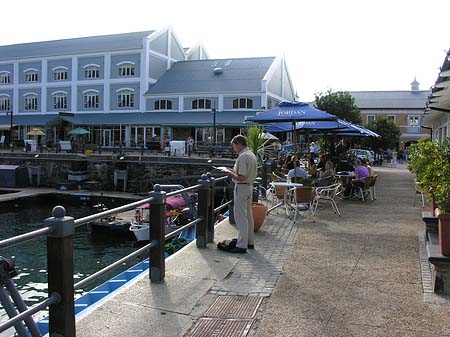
(243,174)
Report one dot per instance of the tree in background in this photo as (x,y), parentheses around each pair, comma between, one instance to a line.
(339,103)
(389,132)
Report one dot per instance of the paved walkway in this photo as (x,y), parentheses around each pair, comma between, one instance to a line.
(357,275)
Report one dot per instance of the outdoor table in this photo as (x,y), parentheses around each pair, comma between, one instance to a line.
(346,179)
(284,203)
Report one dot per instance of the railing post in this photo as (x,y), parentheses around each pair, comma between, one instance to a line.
(204,200)
(211,223)
(60,273)
(157,233)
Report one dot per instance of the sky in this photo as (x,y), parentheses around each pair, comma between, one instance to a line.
(348,45)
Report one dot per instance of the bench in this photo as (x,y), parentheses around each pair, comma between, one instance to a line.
(65,145)
(440,277)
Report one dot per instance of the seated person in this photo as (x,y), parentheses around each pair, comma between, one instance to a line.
(298,172)
(322,161)
(327,170)
(369,168)
(361,172)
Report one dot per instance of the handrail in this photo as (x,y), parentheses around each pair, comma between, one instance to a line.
(108,212)
(53,298)
(112,266)
(222,206)
(25,237)
(179,230)
(187,189)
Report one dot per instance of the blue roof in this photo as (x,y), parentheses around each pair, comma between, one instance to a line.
(80,45)
(212,76)
(172,119)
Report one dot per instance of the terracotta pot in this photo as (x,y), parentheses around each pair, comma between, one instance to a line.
(259,214)
(444,232)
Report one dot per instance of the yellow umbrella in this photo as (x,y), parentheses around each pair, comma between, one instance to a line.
(36,132)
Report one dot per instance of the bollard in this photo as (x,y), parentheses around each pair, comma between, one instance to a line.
(211,222)
(204,201)
(60,273)
(157,233)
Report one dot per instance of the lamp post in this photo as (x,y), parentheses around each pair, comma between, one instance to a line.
(11,142)
(214,123)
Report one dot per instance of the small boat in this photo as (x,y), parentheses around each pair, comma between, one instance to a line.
(117,224)
(179,211)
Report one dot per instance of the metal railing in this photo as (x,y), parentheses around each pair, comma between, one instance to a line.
(59,230)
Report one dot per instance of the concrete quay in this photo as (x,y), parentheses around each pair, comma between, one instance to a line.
(354,275)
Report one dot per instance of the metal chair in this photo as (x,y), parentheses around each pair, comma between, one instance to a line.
(326,194)
(364,191)
(300,201)
(372,186)
(419,191)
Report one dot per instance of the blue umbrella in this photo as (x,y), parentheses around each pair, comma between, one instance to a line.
(292,112)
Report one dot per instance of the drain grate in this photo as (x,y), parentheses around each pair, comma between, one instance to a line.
(234,307)
(220,327)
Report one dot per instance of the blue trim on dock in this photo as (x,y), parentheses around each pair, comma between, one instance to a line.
(112,285)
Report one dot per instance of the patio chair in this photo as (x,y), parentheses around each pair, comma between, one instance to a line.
(277,193)
(372,186)
(300,201)
(326,194)
(419,191)
(364,191)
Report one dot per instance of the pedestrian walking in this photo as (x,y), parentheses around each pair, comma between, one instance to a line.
(243,174)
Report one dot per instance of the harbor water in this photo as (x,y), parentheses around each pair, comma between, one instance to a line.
(92,252)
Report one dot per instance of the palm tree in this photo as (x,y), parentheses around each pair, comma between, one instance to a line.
(256,142)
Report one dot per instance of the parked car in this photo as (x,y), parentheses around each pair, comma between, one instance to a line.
(363,154)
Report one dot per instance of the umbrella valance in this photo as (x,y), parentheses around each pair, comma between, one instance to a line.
(79,131)
(35,132)
(292,111)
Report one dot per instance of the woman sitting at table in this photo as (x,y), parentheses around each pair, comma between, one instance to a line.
(361,172)
(326,176)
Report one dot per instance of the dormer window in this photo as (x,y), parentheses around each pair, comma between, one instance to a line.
(201,103)
(60,74)
(91,71)
(163,104)
(31,75)
(125,98)
(5,77)
(30,102)
(60,100)
(125,69)
(5,103)
(243,103)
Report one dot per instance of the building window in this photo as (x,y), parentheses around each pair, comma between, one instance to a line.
(125,98)
(391,118)
(59,101)
(31,75)
(163,104)
(370,118)
(60,74)
(413,120)
(5,77)
(201,103)
(31,102)
(5,103)
(92,71)
(91,100)
(126,69)
(242,103)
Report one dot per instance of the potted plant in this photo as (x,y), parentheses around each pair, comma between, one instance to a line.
(424,160)
(431,164)
(256,142)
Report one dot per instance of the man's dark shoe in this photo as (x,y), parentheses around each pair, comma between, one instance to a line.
(251,246)
(237,250)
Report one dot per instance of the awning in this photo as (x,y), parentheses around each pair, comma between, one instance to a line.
(5,126)
(414,135)
(170,119)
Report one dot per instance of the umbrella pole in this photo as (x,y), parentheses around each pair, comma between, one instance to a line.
(294,147)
